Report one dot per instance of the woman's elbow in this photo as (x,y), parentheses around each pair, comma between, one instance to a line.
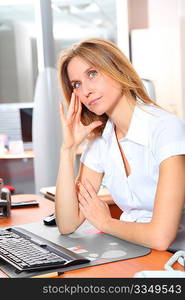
(63,229)
(66,230)
(162,241)
(161,245)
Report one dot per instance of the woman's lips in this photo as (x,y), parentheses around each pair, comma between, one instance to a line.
(93,102)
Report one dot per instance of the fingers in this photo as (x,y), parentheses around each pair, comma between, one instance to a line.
(79,110)
(62,113)
(75,108)
(87,190)
(93,125)
(82,200)
(71,109)
(82,208)
(61,109)
(76,104)
(83,192)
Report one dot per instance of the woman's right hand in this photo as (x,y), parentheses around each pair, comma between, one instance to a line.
(74,132)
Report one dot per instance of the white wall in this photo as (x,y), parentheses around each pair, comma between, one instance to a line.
(8,80)
(18,64)
(155,56)
(25,63)
(163,13)
(157,52)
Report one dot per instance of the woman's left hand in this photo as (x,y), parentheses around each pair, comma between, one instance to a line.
(95,210)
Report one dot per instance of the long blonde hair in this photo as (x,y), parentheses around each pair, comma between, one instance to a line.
(108,59)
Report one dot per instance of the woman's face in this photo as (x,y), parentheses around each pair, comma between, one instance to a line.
(97,91)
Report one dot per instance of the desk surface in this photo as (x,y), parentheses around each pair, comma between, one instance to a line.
(28,154)
(9,155)
(124,269)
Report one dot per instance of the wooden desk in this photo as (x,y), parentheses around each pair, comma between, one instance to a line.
(124,269)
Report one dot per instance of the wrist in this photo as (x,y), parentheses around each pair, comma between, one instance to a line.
(106,224)
(67,155)
(66,149)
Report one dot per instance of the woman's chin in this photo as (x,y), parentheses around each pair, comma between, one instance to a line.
(98,112)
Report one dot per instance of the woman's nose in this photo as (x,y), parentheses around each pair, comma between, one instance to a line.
(87,89)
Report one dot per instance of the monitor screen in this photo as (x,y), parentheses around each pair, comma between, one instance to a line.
(26,123)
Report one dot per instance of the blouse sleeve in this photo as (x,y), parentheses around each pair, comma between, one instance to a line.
(169,138)
(92,155)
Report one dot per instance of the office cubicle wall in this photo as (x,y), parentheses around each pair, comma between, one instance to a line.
(10,121)
(16,171)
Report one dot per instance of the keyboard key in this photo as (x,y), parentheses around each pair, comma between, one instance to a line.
(26,253)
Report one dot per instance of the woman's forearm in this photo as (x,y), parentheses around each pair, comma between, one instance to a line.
(66,203)
(146,234)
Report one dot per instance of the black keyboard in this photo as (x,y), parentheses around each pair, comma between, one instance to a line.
(29,252)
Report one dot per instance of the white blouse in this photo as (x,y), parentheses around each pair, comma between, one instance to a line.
(153,136)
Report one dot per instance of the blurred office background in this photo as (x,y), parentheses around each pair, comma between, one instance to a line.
(150,32)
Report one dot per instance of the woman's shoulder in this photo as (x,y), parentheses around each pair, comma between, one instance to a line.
(166,135)
(165,127)
(160,117)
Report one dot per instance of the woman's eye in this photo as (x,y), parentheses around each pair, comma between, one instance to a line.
(76,85)
(92,74)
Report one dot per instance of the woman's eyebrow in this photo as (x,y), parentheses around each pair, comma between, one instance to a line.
(85,72)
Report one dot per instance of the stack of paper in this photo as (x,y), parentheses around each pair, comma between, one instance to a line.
(50,191)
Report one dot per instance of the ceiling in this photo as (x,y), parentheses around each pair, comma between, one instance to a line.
(74,17)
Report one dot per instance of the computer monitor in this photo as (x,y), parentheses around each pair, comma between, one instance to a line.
(26,114)
(11,124)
